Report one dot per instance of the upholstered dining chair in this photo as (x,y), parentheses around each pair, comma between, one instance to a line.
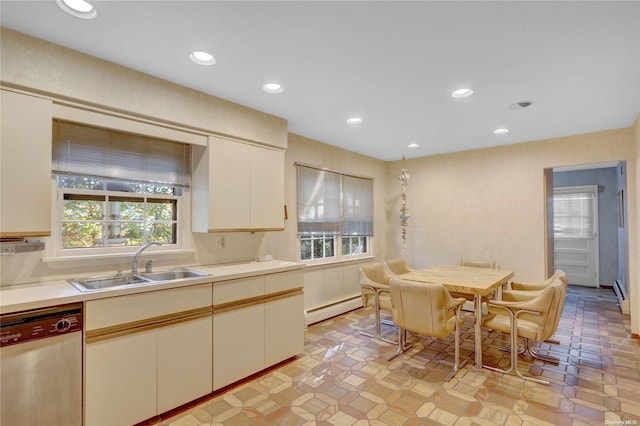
(374,285)
(539,285)
(535,319)
(475,263)
(426,309)
(522,291)
(397,266)
(489,264)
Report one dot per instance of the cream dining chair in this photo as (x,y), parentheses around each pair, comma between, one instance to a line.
(397,266)
(374,285)
(426,309)
(535,319)
(522,291)
(475,263)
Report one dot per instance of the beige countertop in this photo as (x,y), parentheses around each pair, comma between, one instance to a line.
(39,295)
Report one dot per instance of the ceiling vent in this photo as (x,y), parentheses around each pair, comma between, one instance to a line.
(520,105)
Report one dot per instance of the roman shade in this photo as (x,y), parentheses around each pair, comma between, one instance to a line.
(333,203)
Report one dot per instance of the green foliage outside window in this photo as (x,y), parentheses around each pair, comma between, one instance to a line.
(98,213)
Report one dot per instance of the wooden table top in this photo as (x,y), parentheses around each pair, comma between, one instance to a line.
(463,279)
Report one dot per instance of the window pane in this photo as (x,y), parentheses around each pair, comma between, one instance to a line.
(346,246)
(80,182)
(132,231)
(125,208)
(83,209)
(329,247)
(158,209)
(164,232)
(305,248)
(81,234)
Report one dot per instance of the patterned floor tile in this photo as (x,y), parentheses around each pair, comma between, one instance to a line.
(344,379)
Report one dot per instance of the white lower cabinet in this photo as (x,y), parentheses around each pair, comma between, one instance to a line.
(257,322)
(121,380)
(146,354)
(284,329)
(184,363)
(238,337)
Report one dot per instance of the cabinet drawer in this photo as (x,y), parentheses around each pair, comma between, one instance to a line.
(237,290)
(275,283)
(136,307)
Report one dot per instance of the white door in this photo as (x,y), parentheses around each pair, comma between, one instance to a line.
(575,225)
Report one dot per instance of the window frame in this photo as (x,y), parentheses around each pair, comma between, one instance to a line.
(61,252)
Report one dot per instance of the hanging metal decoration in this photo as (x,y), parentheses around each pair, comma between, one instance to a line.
(404,217)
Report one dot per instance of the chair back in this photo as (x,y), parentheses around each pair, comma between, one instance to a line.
(558,306)
(422,307)
(549,302)
(373,272)
(489,264)
(397,266)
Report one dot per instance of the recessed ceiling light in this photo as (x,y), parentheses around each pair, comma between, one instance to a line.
(78,8)
(501,131)
(462,93)
(354,120)
(273,88)
(202,58)
(413,146)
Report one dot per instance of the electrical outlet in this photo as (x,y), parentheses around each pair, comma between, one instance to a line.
(220,242)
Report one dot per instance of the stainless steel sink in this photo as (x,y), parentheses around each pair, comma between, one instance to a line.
(98,283)
(173,275)
(130,280)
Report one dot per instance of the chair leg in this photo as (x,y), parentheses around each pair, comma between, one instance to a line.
(547,358)
(457,364)
(402,344)
(376,306)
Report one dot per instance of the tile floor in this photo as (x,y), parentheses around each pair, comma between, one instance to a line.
(343,378)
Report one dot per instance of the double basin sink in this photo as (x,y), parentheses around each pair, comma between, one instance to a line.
(129,280)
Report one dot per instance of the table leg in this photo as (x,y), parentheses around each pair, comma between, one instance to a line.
(478,330)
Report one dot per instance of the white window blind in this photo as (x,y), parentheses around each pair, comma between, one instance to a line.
(331,203)
(92,151)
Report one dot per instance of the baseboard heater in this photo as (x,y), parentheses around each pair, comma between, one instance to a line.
(623,300)
(321,313)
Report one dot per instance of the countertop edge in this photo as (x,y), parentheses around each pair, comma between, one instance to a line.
(22,297)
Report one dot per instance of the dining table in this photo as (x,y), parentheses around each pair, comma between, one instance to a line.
(474,281)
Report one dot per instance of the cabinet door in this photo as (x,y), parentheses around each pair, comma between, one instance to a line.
(25,165)
(267,189)
(284,328)
(229,185)
(238,344)
(184,362)
(121,379)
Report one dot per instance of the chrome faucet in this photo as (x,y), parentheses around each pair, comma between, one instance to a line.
(134,264)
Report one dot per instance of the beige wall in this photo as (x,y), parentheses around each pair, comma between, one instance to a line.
(47,68)
(489,203)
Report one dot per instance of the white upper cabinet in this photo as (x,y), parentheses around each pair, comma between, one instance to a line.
(237,187)
(25,165)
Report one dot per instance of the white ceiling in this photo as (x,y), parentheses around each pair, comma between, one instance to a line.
(392,63)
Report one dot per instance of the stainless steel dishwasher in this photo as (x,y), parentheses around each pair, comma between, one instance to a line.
(41,367)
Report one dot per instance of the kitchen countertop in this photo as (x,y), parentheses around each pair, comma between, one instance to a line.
(40,295)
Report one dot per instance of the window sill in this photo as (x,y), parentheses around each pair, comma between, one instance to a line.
(332,263)
(106,258)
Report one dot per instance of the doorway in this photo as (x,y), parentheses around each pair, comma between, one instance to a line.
(611,229)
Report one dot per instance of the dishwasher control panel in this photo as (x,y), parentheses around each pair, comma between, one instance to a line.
(25,326)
